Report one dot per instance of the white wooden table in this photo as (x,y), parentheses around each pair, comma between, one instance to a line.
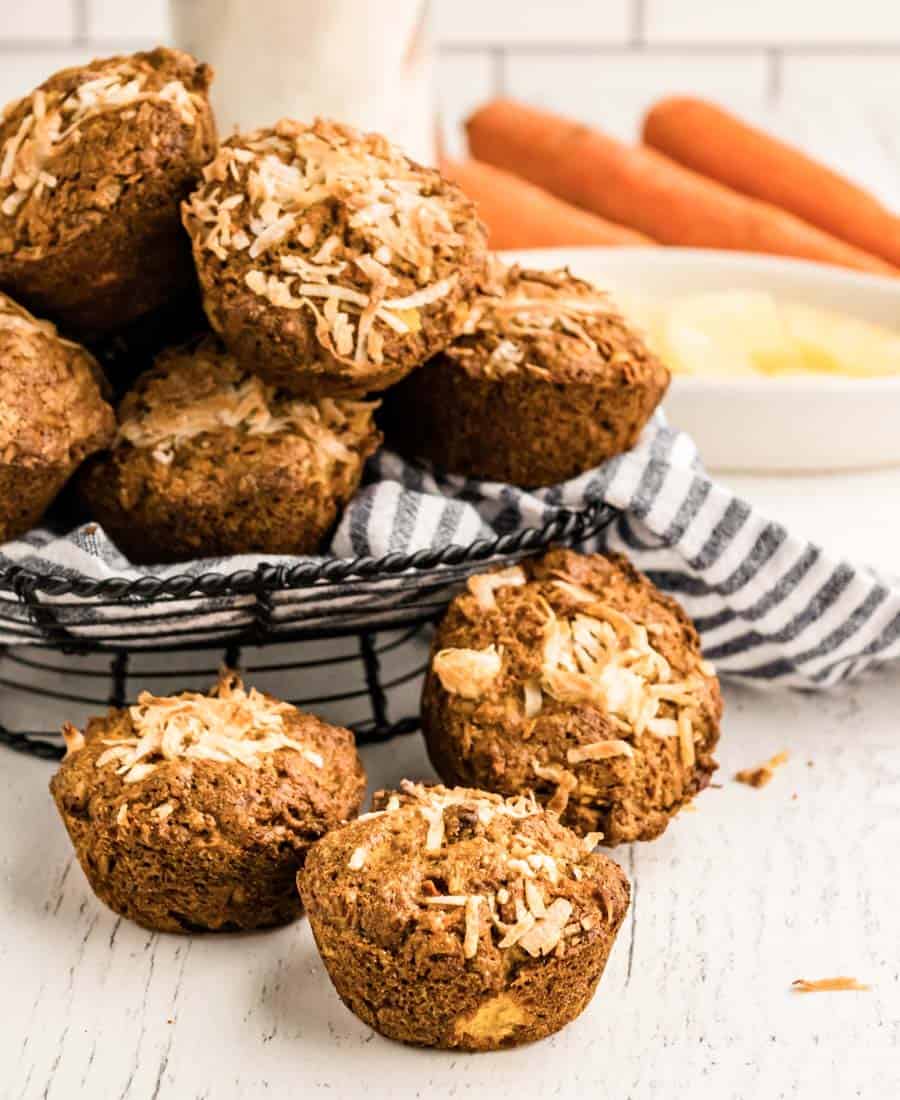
(758,887)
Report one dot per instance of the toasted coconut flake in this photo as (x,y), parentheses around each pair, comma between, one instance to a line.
(467,672)
(122,815)
(73,738)
(534,699)
(546,932)
(230,725)
(828,985)
(591,840)
(56,118)
(452,900)
(470,943)
(759,777)
(161,812)
(686,739)
(357,859)
(332,426)
(565,781)
(434,815)
(534,899)
(483,585)
(599,750)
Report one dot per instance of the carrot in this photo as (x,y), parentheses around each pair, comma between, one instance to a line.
(519,215)
(639,187)
(707,139)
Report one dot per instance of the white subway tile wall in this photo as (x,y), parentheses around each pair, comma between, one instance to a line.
(602,61)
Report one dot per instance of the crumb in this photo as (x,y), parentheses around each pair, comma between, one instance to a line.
(759,777)
(828,985)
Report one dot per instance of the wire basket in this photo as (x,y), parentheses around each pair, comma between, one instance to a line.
(120,635)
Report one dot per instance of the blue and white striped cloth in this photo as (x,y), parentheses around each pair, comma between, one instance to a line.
(770,606)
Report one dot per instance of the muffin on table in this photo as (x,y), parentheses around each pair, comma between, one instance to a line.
(210,460)
(573,676)
(195,811)
(93,166)
(546,381)
(329,262)
(52,415)
(455,918)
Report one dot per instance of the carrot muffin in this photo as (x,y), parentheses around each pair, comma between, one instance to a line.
(573,676)
(196,811)
(545,382)
(209,461)
(455,918)
(328,261)
(52,415)
(93,166)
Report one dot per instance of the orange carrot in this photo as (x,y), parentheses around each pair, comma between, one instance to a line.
(641,188)
(519,215)
(707,139)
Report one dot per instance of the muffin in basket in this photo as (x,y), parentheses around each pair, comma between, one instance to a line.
(196,811)
(209,461)
(574,677)
(93,166)
(455,918)
(330,263)
(545,382)
(52,415)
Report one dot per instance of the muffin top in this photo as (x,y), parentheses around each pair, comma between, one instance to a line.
(339,223)
(550,325)
(74,150)
(198,400)
(498,881)
(526,648)
(234,765)
(52,411)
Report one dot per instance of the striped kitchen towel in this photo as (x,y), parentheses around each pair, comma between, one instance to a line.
(770,606)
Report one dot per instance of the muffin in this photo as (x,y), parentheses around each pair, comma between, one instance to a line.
(52,415)
(545,382)
(209,461)
(573,676)
(195,812)
(455,918)
(330,263)
(93,166)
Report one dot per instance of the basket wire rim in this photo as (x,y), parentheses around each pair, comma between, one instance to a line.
(24,582)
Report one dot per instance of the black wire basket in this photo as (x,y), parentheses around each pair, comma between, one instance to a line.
(123,634)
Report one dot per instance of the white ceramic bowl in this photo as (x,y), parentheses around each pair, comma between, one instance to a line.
(792,423)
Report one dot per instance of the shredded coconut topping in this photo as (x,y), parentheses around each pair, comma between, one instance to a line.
(286,172)
(228,725)
(483,585)
(242,400)
(467,672)
(55,118)
(538,924)
(602,656)
(533,305)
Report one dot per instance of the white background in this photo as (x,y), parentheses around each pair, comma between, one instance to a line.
(602,60)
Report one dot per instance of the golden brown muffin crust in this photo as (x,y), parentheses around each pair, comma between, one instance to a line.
(545,382)
(454,918)
(574,676)
(196,811)
(328,260)
(93,165)
(52,415)
(211,460)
